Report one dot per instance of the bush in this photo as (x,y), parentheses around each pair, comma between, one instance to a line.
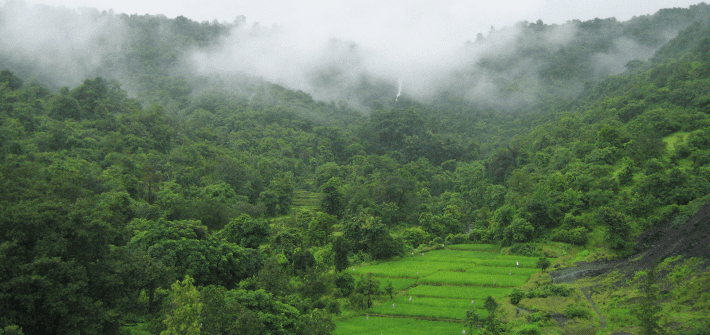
(538,316)
(333,307)
(456,239)
(516,296)
(529,330)
(478,235)
(576,236)
(345,283)
(576,311)
(525,249)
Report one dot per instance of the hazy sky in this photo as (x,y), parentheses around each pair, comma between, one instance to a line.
(412,40)
(388,21)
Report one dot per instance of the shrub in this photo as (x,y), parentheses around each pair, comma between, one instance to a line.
(525,249)
(538,316)
(576,236)
(456,239)
(529,330)
(345,283)
(576,311)
(516,296)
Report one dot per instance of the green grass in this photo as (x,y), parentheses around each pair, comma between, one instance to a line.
(439,308)
(460,292)
(379,325)
(456,277)
(401,269)
(524,263)
(470,279)
(478,247)
(398,283)
(454,256)
(502,270)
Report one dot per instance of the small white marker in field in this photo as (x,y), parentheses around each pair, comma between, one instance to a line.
(410,298)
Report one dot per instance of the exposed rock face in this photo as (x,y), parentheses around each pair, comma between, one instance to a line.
(691,239)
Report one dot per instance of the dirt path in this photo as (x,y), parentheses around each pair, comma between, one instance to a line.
(589,298)
(582,269)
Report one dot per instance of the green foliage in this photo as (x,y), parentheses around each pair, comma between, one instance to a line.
(576,311)
(185,307)
(332,201)
(105,203)
(516,296)
(8,78)
(543,263)
(648,311)
(389,289)
(341,248)
(618,231)
(529,330)
(246,232)
(345,283)
(320,229)
(538,316)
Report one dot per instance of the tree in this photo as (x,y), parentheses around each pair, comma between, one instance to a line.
(618,230)
(8,78)
(472,320)
(185,307)
(516,296)
(341,248)
(368,287)
(332,200)
(320,228)
(245,231)
(543,263)
(492,323)
(389,289)
(273,279)
(648,310)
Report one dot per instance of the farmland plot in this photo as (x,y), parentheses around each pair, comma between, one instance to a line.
(442,285)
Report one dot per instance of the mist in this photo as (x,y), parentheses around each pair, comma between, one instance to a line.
(59,46)
(395,53)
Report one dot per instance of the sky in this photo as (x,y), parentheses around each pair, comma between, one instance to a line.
(390,22)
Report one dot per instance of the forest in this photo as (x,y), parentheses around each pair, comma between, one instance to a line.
(148,197)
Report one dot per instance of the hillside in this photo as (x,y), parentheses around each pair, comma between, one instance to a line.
(143,193)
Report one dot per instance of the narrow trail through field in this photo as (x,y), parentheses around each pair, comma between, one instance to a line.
(589,298)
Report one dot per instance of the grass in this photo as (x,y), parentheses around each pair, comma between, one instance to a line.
(501,270)
(439,308)
(413,310)
(524,263)
(402,269)
(478,247)
(460,292)
(361,325)
(470,279)
(399,284)
(442,284)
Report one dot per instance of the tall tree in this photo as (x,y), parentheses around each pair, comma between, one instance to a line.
(184,309)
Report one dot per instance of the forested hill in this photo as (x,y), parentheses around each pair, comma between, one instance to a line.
(255,197)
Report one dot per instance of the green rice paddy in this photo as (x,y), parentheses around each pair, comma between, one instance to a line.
(442,285)
(380,325)
(459,292)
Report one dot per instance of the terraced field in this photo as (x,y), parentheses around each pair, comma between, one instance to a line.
(436,288)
